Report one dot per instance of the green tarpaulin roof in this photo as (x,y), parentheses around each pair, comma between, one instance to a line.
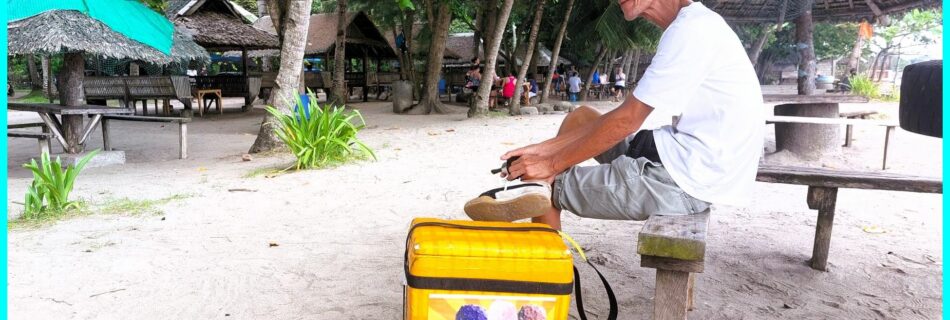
(128,17)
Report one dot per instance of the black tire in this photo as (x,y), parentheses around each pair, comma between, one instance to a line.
(921,105)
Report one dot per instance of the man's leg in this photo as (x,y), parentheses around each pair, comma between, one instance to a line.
(574,120)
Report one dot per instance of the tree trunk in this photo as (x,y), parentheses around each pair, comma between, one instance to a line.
(625,65)
(35,80)
(491,18)
(440,32)
(855,55)
(261,8)
(529,56)
(480,106)
(633,75)
(338,90)
(292,28)
(71,95)
(590,74)
(804,34)
(47,79)
(756,49)
(555,52)
(479,24)
(410,66)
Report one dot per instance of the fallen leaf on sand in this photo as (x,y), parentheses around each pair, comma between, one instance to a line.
(202,169)
(873,229)
(433,133)
(272,244)
(398,149)
(245,157)
(449,130)
(393,128)
(508,143)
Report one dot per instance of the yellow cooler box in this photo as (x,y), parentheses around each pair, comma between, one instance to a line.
(467,270)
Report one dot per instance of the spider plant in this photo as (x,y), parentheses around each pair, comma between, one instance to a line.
(320,136)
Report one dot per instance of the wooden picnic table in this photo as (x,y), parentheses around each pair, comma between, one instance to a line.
(809,140)
(72,139)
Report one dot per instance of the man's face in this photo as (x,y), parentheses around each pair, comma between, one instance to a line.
(633,8)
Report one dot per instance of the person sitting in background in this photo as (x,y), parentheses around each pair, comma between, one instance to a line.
(574,84)
(508,88)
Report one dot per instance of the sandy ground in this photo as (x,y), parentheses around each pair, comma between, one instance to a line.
(340,232)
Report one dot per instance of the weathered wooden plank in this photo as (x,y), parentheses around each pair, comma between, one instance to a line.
(671,297)
(147,118)
(821,177)
(25,125)
(680,237)
(672,264)
(29,134)
(815,98)
(837,121)
(63,110)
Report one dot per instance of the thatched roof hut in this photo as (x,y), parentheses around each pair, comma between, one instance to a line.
(768,11)
(462,43)
(218,25)
(362,35)
(55,31)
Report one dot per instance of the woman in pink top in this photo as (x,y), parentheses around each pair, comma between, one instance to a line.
(508,90)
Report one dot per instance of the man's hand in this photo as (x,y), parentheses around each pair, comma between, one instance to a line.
(536,162)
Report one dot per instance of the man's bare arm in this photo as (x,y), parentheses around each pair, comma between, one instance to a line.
(544,160)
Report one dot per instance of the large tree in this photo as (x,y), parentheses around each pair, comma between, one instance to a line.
(515,108)
(338,92)
(291,20)
(439,13)
(35,79)
(480,105)
(556,51)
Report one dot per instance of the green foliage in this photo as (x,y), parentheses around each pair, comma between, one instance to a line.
(326,137)
(35,96)
(834,40)
(863,86)
(136,207)
(48,194)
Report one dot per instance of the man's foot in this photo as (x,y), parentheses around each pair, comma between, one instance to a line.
(523,201)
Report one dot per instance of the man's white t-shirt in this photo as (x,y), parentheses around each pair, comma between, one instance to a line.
(575,84)
(702,73)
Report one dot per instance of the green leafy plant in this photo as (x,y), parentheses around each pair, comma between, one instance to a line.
(320,137)
(49,192)
(863,86)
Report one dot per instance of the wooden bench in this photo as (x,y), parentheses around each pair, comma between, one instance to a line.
(182,130)
(43,138)
(43,128)
(676,247)
(823,185)
(842,121)
(130,90)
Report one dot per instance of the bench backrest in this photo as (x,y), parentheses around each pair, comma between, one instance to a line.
(150,87)
(104,87)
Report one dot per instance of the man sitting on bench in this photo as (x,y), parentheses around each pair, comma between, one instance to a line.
(710,155)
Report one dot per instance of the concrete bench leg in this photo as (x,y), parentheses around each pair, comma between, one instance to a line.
(182,140)
(822,199)
(105,135)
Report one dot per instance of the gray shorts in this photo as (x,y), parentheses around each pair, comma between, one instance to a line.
(622,188)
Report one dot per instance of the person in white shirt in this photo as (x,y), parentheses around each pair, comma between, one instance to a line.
(574,86)
(619,85)
(710,155)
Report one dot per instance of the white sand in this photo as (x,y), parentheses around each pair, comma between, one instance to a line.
(340,231)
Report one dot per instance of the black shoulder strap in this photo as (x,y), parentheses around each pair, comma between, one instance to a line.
(612,314)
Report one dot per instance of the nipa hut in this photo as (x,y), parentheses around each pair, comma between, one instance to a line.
(364,41)
(218,25)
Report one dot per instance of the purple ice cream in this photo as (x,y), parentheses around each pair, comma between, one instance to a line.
(532,312)
(471,312)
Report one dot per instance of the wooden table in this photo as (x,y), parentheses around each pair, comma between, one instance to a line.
(69,138)
(200,94)
(809,140)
